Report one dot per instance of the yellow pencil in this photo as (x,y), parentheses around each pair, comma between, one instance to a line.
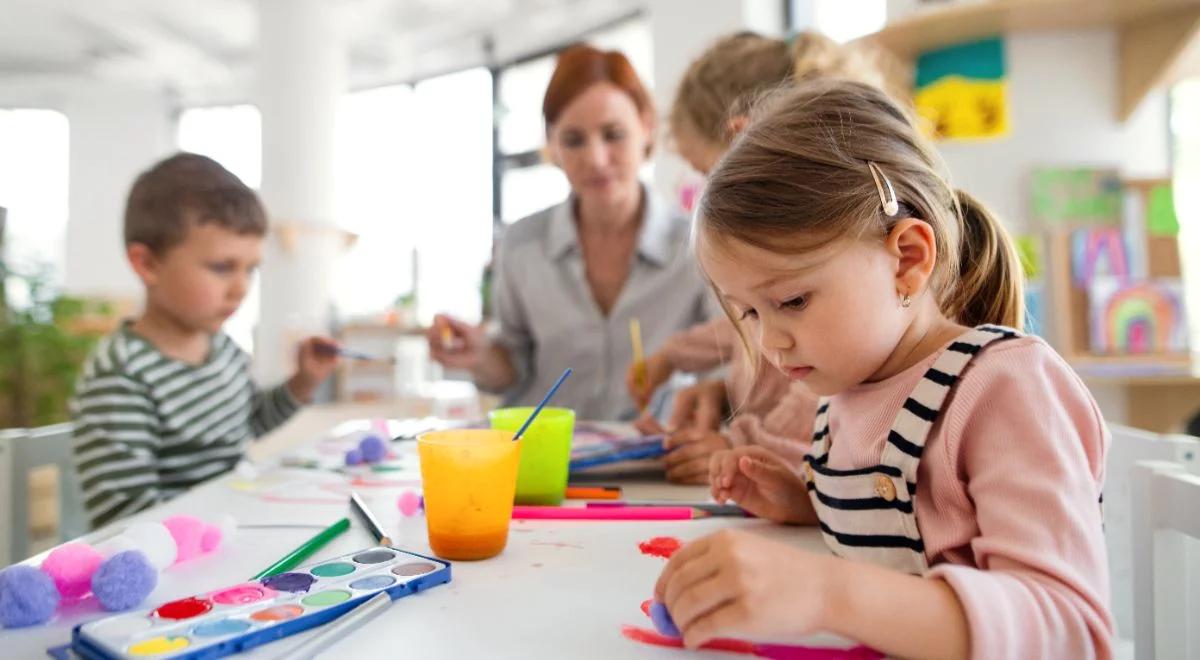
(639,358)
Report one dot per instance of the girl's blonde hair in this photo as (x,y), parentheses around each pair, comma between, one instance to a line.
(723,81)
(798,178)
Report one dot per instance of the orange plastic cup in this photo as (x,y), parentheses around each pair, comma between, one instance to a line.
(469,477)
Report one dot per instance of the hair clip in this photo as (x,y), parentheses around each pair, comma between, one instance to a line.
(890,206)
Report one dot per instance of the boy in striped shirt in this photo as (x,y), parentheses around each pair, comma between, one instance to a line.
(166,401)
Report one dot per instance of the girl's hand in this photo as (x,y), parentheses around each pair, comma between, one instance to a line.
(642,382)
(689,453)
(700,406)
(456,344)
(737,584)
(760,482)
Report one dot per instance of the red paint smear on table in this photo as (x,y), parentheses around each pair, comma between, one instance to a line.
(772,651)
(660,546)
(184,608)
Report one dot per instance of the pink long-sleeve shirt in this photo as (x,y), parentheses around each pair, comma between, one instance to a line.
(1007,497)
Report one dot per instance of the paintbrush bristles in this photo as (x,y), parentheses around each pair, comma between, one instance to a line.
(372,525)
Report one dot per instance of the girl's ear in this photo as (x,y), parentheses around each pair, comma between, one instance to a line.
(143,261)
(736,125)
(912,243)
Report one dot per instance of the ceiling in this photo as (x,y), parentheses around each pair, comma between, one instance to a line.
(205,49)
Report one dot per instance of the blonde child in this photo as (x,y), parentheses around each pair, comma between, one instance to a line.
(708,111)
(166,401)
(956,465)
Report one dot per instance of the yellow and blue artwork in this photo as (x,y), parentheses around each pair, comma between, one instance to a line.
(962,90)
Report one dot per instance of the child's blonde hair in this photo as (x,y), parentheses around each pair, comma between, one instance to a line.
(722,82)
(798,178)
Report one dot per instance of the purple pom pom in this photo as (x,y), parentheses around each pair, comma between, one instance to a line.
(373,449)
(353,457)
(662,620)
(28,597)
(124,581)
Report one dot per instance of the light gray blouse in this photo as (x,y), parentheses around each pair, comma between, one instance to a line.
(549,320)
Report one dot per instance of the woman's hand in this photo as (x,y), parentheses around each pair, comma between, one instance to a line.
(456,344)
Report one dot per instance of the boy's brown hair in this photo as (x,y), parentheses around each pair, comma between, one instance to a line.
(185,190)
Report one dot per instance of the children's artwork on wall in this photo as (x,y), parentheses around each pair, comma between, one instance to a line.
(1035,309)
(1029,249)
(962,90)
(1138,318)
(1160,214)
(1098,252)
(1075,197)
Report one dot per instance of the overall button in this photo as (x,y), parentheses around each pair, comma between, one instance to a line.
(885,488)
(808,473)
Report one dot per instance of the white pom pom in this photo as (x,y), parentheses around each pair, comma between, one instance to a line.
(119,543)
(228,526)
(156,541)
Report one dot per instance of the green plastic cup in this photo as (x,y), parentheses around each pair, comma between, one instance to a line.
(545,451)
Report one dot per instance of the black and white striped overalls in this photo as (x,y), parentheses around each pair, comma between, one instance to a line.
(867,514)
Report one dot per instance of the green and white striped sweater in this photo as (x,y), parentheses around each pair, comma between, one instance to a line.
(148,427)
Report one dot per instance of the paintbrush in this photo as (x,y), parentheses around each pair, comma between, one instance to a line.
(360,508)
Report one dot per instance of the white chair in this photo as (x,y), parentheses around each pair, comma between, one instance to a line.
(1166,560)
(1130,445)
(21,451)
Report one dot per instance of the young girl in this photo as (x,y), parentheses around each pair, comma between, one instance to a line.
(956,465)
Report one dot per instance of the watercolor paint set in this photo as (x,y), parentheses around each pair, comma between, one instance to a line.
(240,617)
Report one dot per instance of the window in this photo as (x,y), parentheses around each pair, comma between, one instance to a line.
(232,136)
(450,211)
(375,163)
(34,164)
(840,20)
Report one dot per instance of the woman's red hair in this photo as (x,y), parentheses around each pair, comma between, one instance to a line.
(581,66)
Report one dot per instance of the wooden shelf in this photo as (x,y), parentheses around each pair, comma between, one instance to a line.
(1158,40)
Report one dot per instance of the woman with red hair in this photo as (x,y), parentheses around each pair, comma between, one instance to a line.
(571,278)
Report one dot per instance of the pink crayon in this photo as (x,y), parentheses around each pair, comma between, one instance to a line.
(615,513)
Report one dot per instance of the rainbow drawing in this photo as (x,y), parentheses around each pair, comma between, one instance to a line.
(1098,252)
(1137,318)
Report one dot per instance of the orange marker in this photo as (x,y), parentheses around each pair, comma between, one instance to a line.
(592,493)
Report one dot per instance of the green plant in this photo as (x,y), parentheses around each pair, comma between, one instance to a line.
(42,348)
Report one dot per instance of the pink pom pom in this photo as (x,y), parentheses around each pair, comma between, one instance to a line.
(71,567)
(409,503)
(211,539)
(188,532)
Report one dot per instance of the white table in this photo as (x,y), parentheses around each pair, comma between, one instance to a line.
(560,587)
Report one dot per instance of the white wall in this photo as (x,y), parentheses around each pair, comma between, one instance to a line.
(1062,101)
(682,30)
